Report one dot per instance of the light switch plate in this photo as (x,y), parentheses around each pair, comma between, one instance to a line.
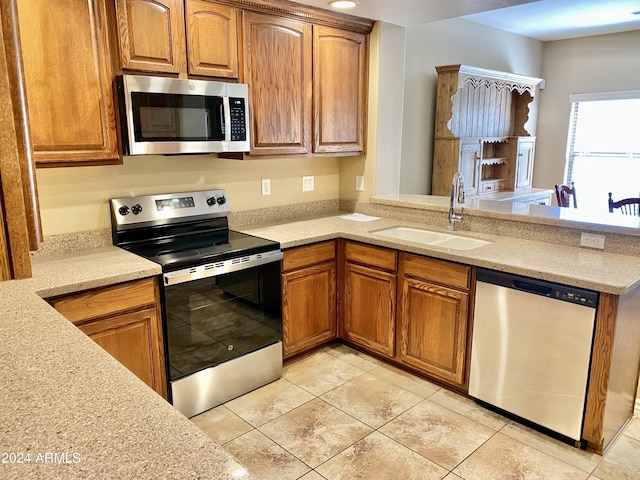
(359,183)
(307,184)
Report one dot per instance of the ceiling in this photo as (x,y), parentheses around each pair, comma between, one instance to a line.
(544,20)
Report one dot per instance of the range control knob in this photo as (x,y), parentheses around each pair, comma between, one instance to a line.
(221,200)
(136,209)
(211,201)
(123,210)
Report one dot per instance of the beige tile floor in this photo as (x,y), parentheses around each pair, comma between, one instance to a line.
(338,414)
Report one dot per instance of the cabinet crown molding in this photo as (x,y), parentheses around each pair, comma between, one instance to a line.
(501,80)
(307,13)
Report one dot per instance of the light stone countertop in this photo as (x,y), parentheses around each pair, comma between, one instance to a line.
(525,212)
(62,394)
(62,273)
(577,266)
(73,409)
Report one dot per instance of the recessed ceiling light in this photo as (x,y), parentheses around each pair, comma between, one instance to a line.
(343,4)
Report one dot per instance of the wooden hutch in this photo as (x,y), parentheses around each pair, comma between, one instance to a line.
(480,130)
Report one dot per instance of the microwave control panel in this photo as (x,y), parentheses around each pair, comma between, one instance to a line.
(238,119)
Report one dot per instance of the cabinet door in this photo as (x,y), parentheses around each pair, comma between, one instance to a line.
(524,163)
(469,164)
(308,307)
(151,35)
(277,67)
(433,330)
(370,308)
(212,39)
(135,340)
(125,321)
(68,74)
(339,88)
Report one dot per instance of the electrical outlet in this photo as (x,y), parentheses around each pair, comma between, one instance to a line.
(266,186)
(307,184)
(359,183)
(592,240)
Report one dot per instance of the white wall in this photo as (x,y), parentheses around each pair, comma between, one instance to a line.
(391,81)
(449,42)
(381,166)
(603,63)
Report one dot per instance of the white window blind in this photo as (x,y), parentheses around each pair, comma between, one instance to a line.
(604,147)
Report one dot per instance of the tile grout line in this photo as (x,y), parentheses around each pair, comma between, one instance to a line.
(492,435)
(363,358)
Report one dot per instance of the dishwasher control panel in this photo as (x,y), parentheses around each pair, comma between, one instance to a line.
(556,291)
(576,297)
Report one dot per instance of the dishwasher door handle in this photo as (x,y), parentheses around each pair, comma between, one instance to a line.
(532,288)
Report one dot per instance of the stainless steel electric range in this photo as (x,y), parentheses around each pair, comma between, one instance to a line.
(220,293)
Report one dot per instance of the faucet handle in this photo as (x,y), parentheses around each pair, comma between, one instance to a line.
(462,196)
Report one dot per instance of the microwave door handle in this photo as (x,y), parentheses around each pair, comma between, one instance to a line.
(222,123)
(225,115)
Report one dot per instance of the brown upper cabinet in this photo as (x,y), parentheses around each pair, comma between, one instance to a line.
(306,69)
(151,34)
(307,86)
(278,68)
(340,90)
(482,118)
(212,39)
(307,73)
(192,37)
(67,73)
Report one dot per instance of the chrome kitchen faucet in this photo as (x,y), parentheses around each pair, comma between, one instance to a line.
(457,198)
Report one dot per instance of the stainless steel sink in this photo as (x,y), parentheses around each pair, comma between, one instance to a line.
(435,239)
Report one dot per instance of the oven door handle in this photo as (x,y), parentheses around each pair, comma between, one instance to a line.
(219,268)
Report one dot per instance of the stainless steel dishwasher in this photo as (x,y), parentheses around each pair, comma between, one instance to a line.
(531,350)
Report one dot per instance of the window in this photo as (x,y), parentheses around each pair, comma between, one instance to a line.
(603,151)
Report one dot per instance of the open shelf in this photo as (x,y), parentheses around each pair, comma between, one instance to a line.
(493,161)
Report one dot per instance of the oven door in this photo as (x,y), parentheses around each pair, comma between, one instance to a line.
(223,335)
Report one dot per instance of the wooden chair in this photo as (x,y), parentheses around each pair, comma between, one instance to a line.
(563,193)
(627,206)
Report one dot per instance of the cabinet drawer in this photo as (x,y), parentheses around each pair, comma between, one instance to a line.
(438,271)
(490,187)
(371,256)
(308,255)
(100,302)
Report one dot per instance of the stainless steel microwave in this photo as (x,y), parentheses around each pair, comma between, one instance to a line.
(167,116)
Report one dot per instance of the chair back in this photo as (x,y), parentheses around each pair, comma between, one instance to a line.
(563,194)
(626,206)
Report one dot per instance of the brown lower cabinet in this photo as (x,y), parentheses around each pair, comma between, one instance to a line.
(309,297)
(410,309)
(124,320)
(369,297)
(433,318)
